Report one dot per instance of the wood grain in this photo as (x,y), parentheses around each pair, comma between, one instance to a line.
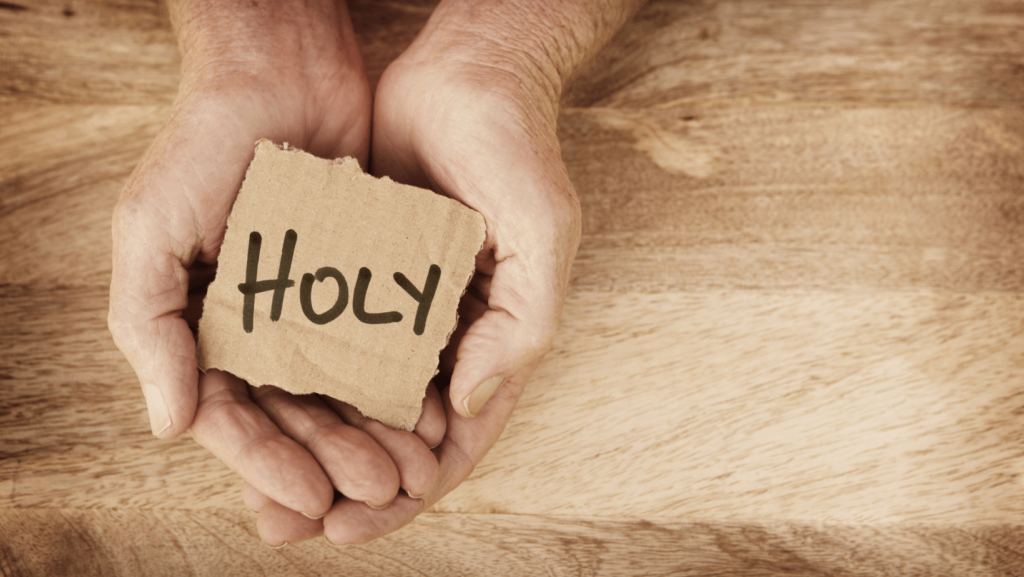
(128,542)
(770,406)
(87,52)
(799,409)
(119,53)
(793,344)
(75,431)
(61,172)
(892,199)
(715,54)
(927,197)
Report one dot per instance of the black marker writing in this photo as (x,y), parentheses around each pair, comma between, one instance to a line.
(251,287)
(306,295)
(359,300)
(424,298)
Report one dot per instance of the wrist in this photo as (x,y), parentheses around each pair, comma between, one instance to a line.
(283,43)
(542,45)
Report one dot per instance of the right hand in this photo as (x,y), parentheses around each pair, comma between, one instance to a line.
(290,74)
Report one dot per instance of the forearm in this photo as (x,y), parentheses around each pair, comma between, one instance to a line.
(546,43)
(218,37)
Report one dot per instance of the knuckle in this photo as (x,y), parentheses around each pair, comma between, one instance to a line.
(120,330)
(318,436)
(538,341)
(130,208)
(567,211)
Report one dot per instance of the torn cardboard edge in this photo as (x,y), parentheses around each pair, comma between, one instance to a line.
(335,282)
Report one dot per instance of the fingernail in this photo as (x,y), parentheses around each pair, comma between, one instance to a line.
(159,416)
(281,546)
(312,517)
(481,394)
(379,508)
(411,496)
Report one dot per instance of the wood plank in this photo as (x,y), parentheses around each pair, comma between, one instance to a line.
(746,406)
(894,199)
(73,418)
(698,54)
(88,52)
(61,171)
(224,542)
(118,53)
(845,407)
(733,53)
(782,198)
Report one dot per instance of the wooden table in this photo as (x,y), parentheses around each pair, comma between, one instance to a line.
(793,344)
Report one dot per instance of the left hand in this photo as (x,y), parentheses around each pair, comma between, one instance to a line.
(289,71)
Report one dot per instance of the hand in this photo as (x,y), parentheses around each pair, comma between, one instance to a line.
(290,73)
(467,121)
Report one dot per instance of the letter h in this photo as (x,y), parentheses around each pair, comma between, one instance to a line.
(251,287)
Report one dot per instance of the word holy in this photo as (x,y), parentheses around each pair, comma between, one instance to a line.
(251,287)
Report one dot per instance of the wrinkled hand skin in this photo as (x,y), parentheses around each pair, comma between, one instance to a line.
(469,111)
(301,82)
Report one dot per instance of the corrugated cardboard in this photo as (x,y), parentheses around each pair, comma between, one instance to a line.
(350,323)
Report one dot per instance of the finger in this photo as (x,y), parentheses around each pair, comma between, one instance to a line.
(465,444)
(430,428)
(355,463)
(239,433)
(278,525)
(468,440)
(417,466)
(351,522)
(253,499)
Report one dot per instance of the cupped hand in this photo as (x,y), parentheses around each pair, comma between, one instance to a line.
(289,73)
(482,132)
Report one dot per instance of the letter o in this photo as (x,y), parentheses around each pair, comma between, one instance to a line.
(306,294)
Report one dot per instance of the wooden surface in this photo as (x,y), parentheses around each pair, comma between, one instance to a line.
(794,343)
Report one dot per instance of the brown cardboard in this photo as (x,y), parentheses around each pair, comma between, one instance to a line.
(350,221)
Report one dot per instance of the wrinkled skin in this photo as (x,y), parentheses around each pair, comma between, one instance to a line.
(454,114)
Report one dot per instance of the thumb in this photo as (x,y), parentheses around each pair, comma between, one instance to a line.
(148,292)
(524,304)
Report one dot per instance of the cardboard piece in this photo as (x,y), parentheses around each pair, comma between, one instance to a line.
(351,315)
